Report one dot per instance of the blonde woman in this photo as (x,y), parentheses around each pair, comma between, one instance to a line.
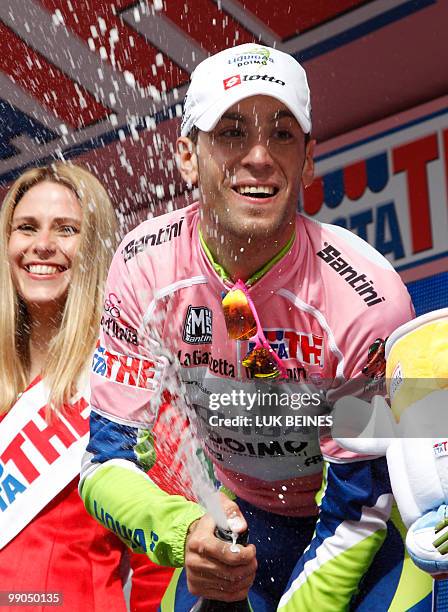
(57,235)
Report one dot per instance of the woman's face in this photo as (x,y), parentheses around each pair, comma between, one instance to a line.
(45,233)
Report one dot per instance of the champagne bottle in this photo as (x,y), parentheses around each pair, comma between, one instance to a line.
(211,605)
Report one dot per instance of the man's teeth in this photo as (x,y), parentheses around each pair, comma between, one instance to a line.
(39,269)
(255,190)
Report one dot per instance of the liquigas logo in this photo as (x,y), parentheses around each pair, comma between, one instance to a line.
(259,55)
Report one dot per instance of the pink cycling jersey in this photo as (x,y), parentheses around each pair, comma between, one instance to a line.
(321,308)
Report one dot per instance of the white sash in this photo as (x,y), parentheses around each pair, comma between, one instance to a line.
(37,460)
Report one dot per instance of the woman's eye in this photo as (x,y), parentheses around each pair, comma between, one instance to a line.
(69,230)
(26,228)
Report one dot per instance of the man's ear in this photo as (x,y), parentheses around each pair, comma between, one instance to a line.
(188,160)
(308,165)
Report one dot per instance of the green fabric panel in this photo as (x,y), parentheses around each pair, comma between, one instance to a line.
(406,597)
(230,494)
(145,518)
(144,449)
(334,583)
(220,271)
(169,598)
(321,492)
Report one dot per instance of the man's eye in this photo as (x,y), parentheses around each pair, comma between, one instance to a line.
(283,135)
(234,132)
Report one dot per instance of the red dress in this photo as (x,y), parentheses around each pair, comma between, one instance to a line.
(62,549)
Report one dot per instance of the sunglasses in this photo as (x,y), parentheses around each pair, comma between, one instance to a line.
(242,323)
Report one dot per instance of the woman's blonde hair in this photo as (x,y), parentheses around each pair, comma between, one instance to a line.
(73,344)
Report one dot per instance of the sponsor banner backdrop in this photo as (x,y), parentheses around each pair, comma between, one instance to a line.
(93,84)
(388,184)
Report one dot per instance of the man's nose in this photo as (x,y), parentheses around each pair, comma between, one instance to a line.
(258,155)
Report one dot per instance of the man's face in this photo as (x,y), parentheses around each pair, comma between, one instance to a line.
(249,169)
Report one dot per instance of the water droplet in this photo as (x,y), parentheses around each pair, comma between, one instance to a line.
(129,78)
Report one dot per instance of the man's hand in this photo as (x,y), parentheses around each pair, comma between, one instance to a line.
(213,570)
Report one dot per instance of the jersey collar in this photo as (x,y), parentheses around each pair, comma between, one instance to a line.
(222,273)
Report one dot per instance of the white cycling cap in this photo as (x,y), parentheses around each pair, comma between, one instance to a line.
(231,75)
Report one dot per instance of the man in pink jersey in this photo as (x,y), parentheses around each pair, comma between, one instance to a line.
(303,304)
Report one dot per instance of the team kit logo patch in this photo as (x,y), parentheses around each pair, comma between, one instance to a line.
(125,369)
(235,79)
(375,367)
(441,448)
(232,81)
(198,325)
(259,55)
(304,347)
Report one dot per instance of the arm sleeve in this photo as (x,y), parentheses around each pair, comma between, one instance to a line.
(146,518)
(127,383)
(364,341)
(364,360)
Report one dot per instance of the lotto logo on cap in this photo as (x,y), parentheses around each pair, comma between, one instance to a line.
(232,81)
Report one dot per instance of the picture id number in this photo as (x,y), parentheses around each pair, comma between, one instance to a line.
(30,598)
